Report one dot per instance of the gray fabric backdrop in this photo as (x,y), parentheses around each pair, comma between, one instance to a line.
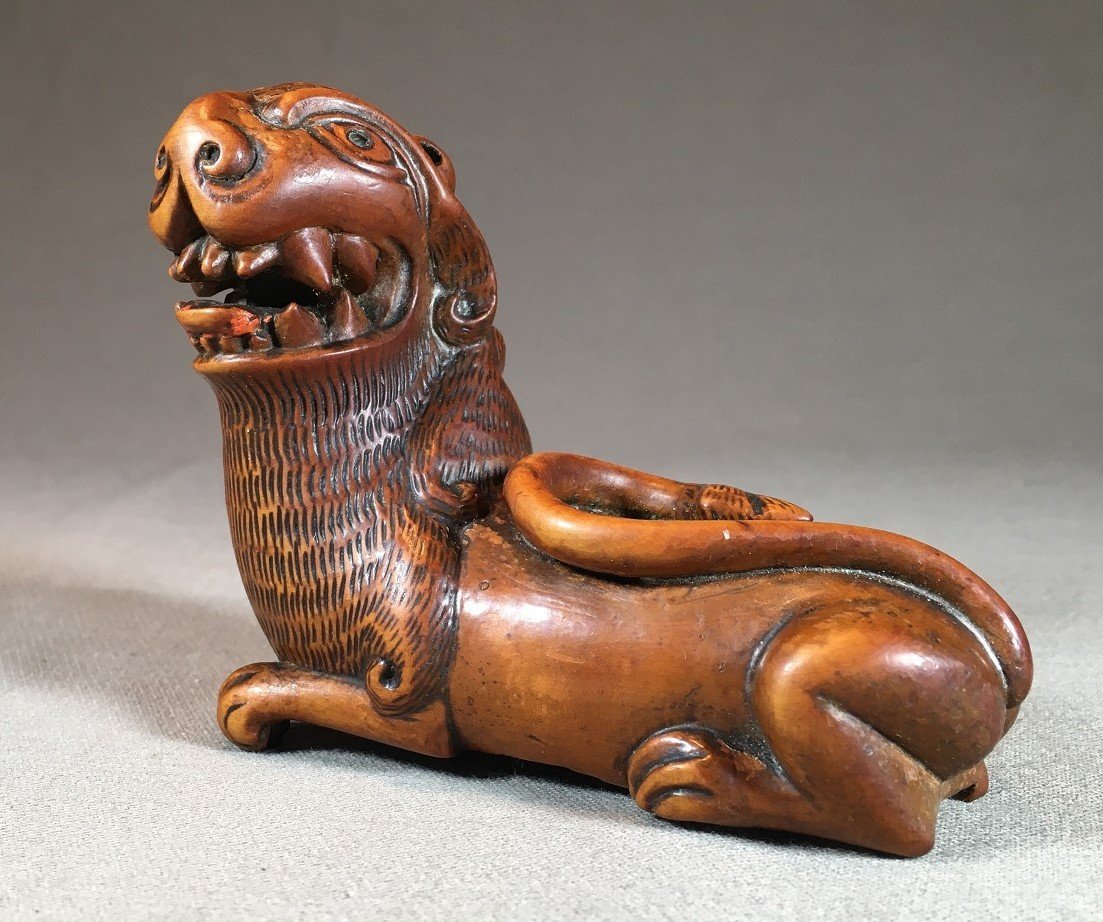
(843,253)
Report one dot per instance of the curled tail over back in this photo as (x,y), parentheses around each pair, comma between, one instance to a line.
(551,497)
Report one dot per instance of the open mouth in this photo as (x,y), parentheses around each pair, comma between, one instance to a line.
(309,288)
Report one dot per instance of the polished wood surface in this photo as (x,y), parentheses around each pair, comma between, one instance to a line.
(427,582)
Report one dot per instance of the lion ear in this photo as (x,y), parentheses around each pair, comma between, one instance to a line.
(442,163)
(465,314)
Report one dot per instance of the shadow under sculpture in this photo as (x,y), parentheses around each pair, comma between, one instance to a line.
(429,583)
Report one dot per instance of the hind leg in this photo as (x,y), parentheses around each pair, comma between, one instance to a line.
(691,775)
(874,714)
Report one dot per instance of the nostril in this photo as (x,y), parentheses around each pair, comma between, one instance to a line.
(161,175)
(226,158)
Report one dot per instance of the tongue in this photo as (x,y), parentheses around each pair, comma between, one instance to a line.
(198,317)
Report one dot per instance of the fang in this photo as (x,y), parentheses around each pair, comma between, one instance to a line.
(308,257)
(298,327)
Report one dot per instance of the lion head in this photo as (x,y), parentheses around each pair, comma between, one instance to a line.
(326,224)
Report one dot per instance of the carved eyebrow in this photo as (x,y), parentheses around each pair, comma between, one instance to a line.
(294,105)
(291,104)
(266,96)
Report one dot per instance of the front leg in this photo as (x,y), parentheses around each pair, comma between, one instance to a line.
(259,699)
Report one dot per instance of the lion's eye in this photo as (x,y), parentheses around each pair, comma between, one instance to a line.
(353,141)
(359,138)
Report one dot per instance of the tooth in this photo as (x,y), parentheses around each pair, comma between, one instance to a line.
(255,260)
(296,326)
(348,319)
(230,345)
(260,341)
(308,258)
(357,258)
(215,259)
(209,343)
(206,289)
(186,266)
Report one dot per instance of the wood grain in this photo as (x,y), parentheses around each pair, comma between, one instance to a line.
(429,583)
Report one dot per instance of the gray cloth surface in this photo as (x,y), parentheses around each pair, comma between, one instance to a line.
(847,254)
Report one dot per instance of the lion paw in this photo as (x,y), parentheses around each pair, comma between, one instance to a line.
(243,712)
(690,774)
